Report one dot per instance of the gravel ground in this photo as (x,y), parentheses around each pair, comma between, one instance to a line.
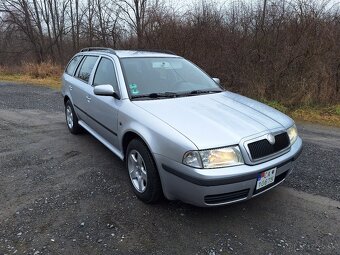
(318,168)
(24,97)
(66,194)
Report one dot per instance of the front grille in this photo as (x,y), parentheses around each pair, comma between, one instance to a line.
(226,197)
(263,148)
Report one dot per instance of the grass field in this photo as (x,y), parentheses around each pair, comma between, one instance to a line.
(45,74)
(49,76)
(51,82)
(325,115)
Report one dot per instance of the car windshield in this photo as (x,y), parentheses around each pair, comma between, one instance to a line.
(165,77)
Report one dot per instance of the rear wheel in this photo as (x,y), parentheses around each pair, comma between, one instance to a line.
(71,118)
(143,173)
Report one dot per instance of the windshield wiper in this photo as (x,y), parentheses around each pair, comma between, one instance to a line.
(157,95)
(207,91)
(174,94)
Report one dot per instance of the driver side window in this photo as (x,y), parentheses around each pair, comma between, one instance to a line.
(106,74)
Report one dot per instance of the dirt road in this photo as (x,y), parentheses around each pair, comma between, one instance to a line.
(66,194)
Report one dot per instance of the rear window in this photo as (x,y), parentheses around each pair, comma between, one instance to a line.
(73,65)
(86,68)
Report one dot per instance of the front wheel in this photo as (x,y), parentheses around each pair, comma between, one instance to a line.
(143,173)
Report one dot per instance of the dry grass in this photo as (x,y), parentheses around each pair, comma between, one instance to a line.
(41,71)
(325,115)
(46,74)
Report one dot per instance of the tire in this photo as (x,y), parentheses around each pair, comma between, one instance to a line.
(144,179)
(71,119)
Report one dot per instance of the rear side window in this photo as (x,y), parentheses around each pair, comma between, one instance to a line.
(73,65)
(105,74)
(86,68)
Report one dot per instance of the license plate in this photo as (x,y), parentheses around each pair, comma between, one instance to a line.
(265,178)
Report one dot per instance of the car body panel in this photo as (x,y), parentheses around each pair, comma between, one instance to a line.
(192,185)
(259,108)
(158,135)
(75,91)
(229,118)
(146,54)
(98,109)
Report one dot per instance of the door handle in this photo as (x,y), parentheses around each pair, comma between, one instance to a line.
(88,98)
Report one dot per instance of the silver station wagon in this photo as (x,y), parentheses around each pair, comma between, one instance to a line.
(178,131)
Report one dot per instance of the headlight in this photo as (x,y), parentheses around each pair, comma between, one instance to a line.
(192,158)
(221,157)
(292,133)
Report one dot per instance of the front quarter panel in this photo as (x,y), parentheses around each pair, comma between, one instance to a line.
(161,138)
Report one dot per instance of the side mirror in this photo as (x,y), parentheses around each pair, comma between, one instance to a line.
(217,80)
(105,90)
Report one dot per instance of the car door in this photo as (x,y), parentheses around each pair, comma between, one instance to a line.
(68,77)
(81,89)
(104,109)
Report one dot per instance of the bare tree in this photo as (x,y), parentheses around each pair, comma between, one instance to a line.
(284,50)
(136,17)
(20,14)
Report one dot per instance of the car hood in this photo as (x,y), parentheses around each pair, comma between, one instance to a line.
(216,120)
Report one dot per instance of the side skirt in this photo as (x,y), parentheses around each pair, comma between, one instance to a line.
(101,139)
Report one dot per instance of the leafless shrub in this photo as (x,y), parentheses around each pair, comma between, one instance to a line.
(285,50)
(41,70)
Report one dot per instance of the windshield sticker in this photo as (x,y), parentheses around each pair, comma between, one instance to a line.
(133,88)
(167,65)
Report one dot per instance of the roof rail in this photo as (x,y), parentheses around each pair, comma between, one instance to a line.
(156,50)
(110,50)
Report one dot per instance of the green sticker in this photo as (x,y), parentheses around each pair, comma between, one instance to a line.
(133,88)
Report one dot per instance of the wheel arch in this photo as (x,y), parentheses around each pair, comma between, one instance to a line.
(66,98)
(129,136)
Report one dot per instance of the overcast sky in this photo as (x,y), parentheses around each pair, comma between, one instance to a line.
(184,4)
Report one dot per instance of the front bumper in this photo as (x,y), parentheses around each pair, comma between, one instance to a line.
(212,187)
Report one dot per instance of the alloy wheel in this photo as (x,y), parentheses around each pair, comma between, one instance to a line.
(69,117)
(137,171)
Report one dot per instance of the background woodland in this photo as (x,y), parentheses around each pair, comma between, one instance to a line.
(284,50)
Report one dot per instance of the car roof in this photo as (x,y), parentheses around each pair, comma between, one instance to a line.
(142,53)
(129,53)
